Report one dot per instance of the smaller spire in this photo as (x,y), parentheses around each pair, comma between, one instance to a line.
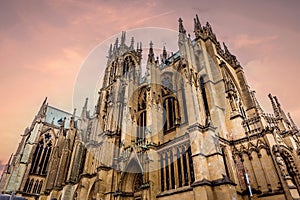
(74,112)
(181,28)
(123,38)
(164,55)
(275,109)
(132,43)
(116,46)
(226,49)
(151,57)
(197,27)
(110,50)
(84,109)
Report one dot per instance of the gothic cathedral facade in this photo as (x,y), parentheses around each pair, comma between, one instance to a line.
(190,128)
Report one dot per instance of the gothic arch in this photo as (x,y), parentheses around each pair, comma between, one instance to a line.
(131,174)
(285,161)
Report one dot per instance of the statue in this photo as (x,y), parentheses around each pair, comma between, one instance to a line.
(281,164)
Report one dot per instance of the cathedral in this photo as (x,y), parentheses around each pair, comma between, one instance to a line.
(189,128)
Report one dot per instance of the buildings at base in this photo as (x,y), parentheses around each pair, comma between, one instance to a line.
(191,128)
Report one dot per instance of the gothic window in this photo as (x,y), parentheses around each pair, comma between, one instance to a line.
(142,125)
(167,172)
(191,165)
(128,65)
(185,167)
(26,185)
(41,156)
(169,113)
(30,186)
(40,187)
(179,168)
(172,170)
(204,96)
(162,181)
(181,160)
(35,187)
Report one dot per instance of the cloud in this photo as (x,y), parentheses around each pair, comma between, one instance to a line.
(244,40)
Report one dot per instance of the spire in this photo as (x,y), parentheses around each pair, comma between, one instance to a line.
(116,46)
(110,50)
(197,27)
(257,105)
(123,38)
(275,109)
(226,49)
(84,109)
(181,28)
(74,112)
(43,109)
(132,43)
(281,111)
(151,57)
(164,55)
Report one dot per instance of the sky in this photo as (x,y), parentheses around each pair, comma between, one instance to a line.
(45,44)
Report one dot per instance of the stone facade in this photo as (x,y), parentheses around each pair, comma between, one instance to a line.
(191,128)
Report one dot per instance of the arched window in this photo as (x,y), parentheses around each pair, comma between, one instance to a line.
(40,158)
(128,65)
(142,125)
(169,113)
(34,191)
(142,117)
(40,187)
(185,167)
(26,185)
(162,177)
(167,172)
(179,168)
(172,170)
(36,157)
(30,186)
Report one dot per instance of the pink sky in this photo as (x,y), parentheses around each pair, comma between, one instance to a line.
(43,44)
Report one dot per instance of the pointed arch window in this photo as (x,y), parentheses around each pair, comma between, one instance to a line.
(142,125)
(170,113)
(41,156)
(36,185)
(30,186)
(26,185)
(40,187)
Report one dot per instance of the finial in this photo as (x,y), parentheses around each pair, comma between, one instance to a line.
(165,54)
(151,53)
(86,102)
(140,45)
(110,50)
(181,28)
(123,38)
(132,43)
(74,112)
(116,43)
(275,109)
